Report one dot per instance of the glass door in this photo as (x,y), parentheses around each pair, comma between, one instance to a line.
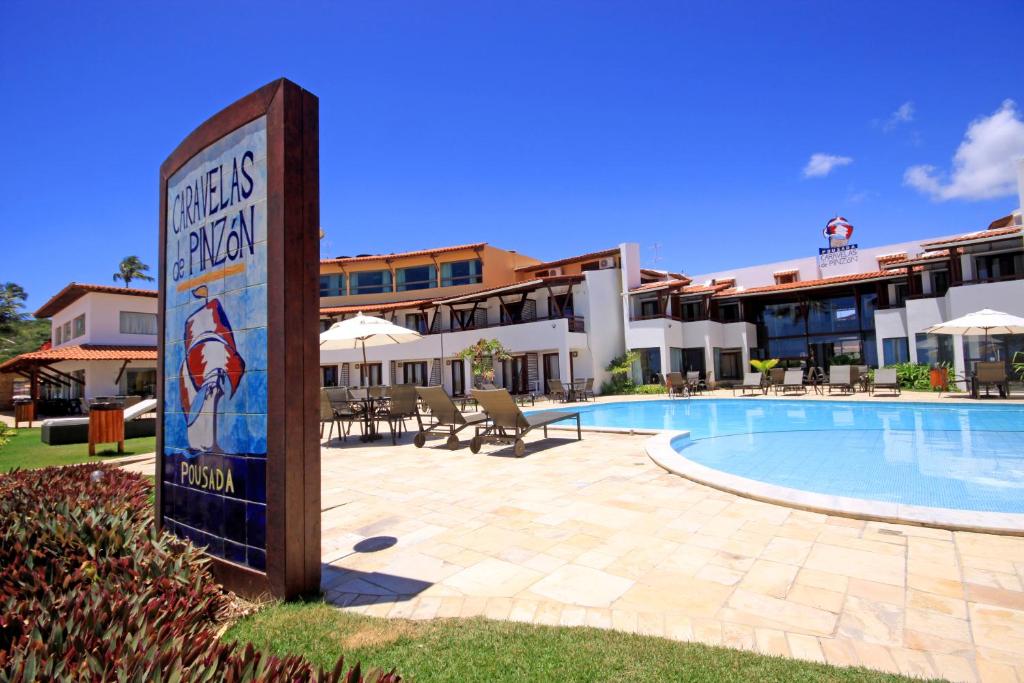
(458,378)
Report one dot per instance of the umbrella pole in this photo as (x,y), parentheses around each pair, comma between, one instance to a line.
(365,377)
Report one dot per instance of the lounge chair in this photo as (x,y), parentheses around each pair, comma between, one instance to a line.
(752,381)
(520,399)
(445,418)
(990,374)
(676,385)
(885,378)
(792,381)
(64,430)
(402,406)
(507,423)
(840,377)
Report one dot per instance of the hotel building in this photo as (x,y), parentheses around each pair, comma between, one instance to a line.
(102,343)
(568,318)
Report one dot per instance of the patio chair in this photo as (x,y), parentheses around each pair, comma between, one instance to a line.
(990,374)
(695,383)
(752,381)
(507,423)
(792,381)
(885,378)
(445,418)
(402,406)
(676,385)
(556,391)
(775,378)
(346,412)
(588,389)
(840,377)
(328,417)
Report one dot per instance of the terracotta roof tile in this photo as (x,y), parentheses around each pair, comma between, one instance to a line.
(884,259)
(418,252)
(83,352)
(808,284)
(977,235)
(372,308)
(76,290)
(570,259)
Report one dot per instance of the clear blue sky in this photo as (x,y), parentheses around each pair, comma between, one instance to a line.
(548,127)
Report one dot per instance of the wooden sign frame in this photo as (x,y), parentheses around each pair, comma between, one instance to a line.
(292,528)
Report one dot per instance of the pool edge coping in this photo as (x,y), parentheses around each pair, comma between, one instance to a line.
(659,449)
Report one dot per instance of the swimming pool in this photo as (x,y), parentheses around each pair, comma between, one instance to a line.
(951,455)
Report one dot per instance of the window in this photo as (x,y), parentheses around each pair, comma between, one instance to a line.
(462,273)
(328,375)
(649,309)
(675,359)
(899,298)
(786,277)
(415,373)
(371,374)
(650,365)
(729,313)
(417,277)
(370,282)
(464,319)
(139,382)
(138,323)
(691,310)
(325,324)
(57,336)
(933,349)
(590,265)
(784,320)
(416,322)
(837,314)
(999,266)
(79,325)
(550,369)
(940,282)
(67,331)
(895,350)
(868,306)
(332,285)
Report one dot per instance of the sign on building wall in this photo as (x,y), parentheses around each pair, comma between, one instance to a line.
(840,257)
(238,321)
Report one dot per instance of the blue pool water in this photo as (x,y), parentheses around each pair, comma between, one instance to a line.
(963,456)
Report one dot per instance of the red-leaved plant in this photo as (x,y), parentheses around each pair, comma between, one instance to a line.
(89,591)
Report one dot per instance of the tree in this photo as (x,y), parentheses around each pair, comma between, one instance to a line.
(132,268)
(12,301)
(481,357)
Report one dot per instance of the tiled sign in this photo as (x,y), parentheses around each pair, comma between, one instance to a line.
(215,349)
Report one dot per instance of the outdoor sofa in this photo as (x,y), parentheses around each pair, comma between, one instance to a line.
(64,430)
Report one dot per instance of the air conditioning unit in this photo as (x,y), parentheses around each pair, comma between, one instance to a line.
(606,263)
(554,271)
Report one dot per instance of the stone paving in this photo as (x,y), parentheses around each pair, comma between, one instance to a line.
(594,533)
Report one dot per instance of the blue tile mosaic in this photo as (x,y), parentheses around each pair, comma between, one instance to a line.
(215,354)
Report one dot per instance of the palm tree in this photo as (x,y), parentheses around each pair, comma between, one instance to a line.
(132,268)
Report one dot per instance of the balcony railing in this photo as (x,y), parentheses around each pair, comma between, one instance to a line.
(576,324)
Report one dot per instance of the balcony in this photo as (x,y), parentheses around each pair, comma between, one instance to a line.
(576,323)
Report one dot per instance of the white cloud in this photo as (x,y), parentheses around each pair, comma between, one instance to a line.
(983,166)
(820,165)
(903,114)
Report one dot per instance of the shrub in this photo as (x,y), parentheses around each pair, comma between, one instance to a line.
(91,592)
(913,376)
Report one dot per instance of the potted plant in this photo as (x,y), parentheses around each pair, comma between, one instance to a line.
(479,354)
(764,366)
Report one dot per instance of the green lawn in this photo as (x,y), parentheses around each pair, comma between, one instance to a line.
(481,650)
(26,451)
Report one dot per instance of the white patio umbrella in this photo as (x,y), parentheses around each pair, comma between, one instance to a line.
(362,331)
(983,322)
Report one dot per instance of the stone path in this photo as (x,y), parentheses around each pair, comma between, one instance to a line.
(593,533)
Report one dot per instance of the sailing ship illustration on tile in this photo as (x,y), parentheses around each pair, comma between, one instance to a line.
(211,369)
